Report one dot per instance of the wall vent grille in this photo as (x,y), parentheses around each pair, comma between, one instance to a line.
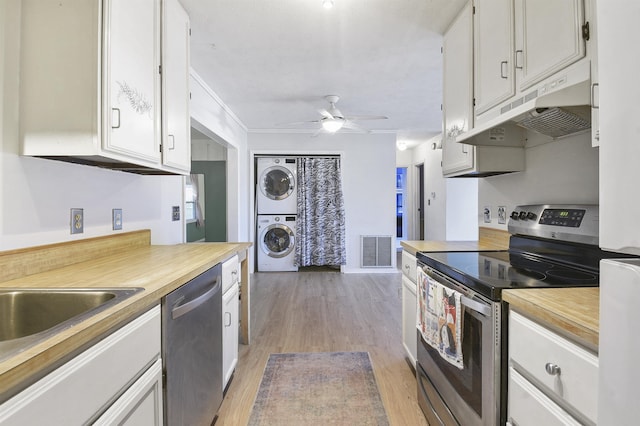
(375,251)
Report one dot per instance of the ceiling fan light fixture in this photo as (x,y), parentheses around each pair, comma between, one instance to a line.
(402,145)
(327,4)
(332,125)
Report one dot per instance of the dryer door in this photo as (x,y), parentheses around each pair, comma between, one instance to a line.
(277,240)
(277,183)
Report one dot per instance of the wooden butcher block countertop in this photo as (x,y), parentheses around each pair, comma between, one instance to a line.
(489,239)
(574,312)
(135,263)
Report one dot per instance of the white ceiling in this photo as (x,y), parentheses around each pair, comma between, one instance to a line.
(273,61)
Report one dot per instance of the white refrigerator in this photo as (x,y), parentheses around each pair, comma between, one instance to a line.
(616,96)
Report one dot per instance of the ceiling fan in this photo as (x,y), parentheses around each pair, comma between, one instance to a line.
(333,120)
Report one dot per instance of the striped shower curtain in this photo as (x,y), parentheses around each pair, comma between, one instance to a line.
(320,234)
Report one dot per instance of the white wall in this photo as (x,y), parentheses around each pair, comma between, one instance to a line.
(562,171)
(211,117)
(36,194)
(368,167)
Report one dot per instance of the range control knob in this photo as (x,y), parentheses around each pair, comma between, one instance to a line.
(531,216)
(515,215)
(523,215)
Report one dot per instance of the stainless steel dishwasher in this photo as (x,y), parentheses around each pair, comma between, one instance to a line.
(192,350)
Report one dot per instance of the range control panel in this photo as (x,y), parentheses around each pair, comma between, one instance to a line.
(562,217)
(577,223)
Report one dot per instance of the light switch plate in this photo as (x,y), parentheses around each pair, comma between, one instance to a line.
(487,214)
(502,214)
(175,213)
(116,218)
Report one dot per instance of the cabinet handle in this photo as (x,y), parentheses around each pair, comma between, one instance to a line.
(518,57)
(172,142)
(115,118)
(552,369)
(503,69)
(595,87)
(227,315)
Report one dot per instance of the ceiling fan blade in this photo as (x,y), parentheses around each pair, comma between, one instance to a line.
(325,113)
(295,123)
(317,132)
(366,117)
(353,126)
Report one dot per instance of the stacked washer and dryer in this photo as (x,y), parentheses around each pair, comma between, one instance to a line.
(277,209)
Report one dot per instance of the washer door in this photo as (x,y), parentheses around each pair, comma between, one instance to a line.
(277,240)
(277,183)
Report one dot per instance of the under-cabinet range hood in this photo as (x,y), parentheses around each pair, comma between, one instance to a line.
(557,107)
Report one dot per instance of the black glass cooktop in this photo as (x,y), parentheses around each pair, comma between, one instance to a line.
(489,272)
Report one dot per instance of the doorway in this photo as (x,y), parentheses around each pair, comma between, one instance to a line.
(207,209)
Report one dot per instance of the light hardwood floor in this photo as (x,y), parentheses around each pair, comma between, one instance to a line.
(326,312)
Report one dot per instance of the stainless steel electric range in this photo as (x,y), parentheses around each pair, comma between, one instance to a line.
(550,246)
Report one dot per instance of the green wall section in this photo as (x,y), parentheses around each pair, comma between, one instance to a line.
(215,199)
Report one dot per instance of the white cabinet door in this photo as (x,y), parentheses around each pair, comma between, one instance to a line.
(458,92)
(409,318)
(548,38)
(619,131)
(230,325)
(494,79)
(141,404)
(132,78)
(176,122)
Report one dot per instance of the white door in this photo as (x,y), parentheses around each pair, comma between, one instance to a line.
(230,325)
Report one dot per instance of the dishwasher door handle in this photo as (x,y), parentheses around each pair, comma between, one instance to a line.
(179,311)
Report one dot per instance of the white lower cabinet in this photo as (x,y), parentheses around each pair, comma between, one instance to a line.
(118,380)
(550,376)
(230,317)
(409,300)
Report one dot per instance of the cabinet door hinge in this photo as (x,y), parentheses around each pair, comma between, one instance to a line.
(159,69)
(189,31)
(160,148)
(473,10)
(585,31)
(441,49)
(474,102)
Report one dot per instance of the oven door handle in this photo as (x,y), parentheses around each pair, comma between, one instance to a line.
(478,307)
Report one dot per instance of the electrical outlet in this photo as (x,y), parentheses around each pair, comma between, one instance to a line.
(487,214)
(175,213)
(116,219)
(77,221)
(502,214)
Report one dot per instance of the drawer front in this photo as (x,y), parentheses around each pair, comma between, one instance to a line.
(409,264)
(530,407)
(534,349)
(230,272)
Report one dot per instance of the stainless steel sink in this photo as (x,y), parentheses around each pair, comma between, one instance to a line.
(28,316)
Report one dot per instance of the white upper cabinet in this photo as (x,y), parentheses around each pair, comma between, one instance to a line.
(131,38)
(520,44)
(91,87)
(176,130)
(548,38)
(460,159)
(494,53)
(457,92)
